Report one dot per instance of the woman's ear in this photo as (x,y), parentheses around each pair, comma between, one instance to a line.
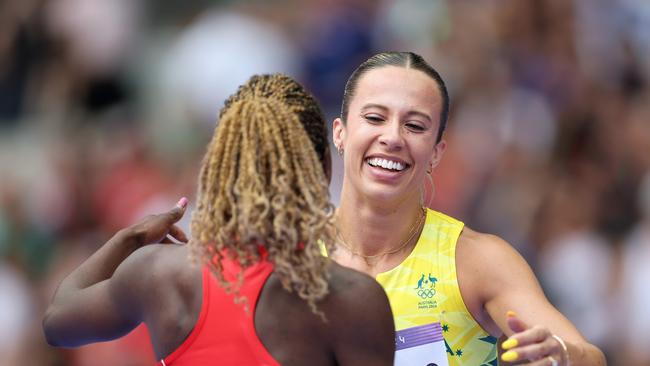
(338,135)
(438,152)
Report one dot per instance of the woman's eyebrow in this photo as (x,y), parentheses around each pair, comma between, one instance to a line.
(384,108)
(419,114)
(373,105)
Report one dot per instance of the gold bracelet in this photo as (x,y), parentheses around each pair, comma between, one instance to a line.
(565,350)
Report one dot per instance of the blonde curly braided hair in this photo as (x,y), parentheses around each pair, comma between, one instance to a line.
(262,185)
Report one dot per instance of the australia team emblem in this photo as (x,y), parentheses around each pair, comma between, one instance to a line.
(426,290)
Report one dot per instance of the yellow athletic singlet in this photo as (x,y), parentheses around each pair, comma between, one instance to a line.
(434,327)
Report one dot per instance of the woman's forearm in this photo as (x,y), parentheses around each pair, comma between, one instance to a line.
(101,264)
(88,305)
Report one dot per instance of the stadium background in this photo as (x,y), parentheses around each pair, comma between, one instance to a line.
(106,106)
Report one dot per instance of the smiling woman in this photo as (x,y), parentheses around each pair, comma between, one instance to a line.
(450,287)
(388,106)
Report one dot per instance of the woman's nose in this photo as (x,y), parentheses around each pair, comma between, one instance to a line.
(391,136)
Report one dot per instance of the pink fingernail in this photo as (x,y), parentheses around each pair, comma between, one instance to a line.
(182,203)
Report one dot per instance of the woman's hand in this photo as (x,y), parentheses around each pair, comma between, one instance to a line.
(536,344)
(87,306)
(159,228)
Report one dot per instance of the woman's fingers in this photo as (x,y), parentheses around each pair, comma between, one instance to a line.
(532,349)
(534,344)
(514,323)
(529,336)
(178,234)
(154,228)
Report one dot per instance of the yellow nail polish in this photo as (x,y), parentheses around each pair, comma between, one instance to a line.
(510,356)
(509,343)
(511,313)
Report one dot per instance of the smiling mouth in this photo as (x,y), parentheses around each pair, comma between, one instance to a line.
(387,164)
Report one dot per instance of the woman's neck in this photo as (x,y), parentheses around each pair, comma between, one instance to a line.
(369,227)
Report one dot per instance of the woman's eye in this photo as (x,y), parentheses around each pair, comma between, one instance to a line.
(374,119)
(415,127)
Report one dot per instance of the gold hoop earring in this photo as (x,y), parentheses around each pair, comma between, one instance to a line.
(432,193)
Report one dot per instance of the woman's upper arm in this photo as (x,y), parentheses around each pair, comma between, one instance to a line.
(89,315)
(510,285)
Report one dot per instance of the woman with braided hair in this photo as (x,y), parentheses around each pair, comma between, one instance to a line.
(263,293)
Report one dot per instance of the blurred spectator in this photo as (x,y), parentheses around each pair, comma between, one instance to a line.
(633,315)
(336,37)
(16,312)
(104,108)
(22,48)
(576,262)
(213,55)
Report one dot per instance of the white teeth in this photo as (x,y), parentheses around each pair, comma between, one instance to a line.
(386,164)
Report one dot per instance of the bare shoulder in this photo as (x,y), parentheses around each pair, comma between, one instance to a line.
(161,283)
(485,253)
(356,297)
(157,262)
(490,261)
(347,282)
(361,327)
(489,268)
(155,269)
(358,293)
(358,327)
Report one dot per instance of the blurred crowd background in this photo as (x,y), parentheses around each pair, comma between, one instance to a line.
(106,107)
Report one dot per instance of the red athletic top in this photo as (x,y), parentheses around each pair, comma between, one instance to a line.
(225,333)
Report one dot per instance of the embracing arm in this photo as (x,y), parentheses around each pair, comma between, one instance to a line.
(537,331)
(87,306)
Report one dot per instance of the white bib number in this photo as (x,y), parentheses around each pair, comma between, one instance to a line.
(421,346)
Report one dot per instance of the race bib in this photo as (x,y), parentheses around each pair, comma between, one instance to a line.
(421,346)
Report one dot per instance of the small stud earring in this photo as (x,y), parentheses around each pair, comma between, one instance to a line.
(340,150)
